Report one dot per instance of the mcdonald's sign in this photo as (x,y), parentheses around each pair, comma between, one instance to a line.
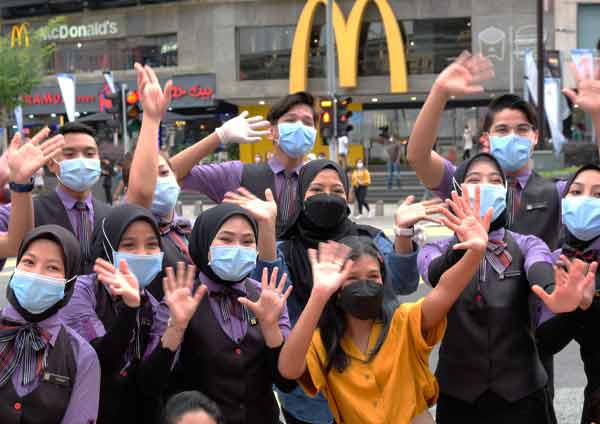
(347,37)
(19,35)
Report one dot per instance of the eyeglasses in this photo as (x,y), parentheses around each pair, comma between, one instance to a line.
(521,130)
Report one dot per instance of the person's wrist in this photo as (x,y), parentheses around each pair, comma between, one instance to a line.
(220,132)
(441,91)
(177,325)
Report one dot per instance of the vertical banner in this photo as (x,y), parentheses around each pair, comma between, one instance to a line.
(66,82)
(530,76)
(584,62)
(110,81)
(19,118)
(552,96)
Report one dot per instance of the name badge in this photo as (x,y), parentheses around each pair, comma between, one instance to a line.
(510,274)
(536,205)
(59,380)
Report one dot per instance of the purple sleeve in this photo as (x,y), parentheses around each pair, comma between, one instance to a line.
(428,253)
(80,312)
(159,324)
(4,218)
(83,405)
(444,189)
(560,188)
(214,180)
(284,323)
(534,249)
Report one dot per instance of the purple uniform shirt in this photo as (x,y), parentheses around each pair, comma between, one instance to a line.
(83,405)
(214,180)
(80,313)
(234,327)
(69,204)
(445,188)
(533,249)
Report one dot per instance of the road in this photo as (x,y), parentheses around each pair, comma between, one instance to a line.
(569,376)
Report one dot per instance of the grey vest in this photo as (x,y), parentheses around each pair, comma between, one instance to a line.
(489,342)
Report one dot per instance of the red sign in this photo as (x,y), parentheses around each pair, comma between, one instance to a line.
(194,91)
(55,98)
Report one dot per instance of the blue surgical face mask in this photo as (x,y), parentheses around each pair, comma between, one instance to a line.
(37,293)
(490,196)
(511,151)
(165,196)
(144,267)
(581,215)
(232,263)
(296,139)
(79,174)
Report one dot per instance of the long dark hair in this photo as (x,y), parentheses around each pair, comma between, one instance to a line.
(333,323)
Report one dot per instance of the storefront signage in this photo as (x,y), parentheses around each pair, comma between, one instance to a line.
(347,36)
(103,29)
(19,35)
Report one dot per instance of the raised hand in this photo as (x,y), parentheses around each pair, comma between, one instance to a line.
(24,160)
(587,96)
(272,298)
(330,267)
(243,130)
(120,282)
(262,210)
(466,221)
(570,285)
(155,101)
(465,75)
(409,213)
(178,294)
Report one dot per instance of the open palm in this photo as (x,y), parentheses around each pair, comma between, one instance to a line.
(24,160)
(272,298)
(178,294)
(261,210)
(155,101)
(587,96)
(120,282)
(330,266)
(464,76)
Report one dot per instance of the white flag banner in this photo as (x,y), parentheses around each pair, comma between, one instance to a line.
(110,81)
(531,75)
(584,62)
(552,97)
(19,118)
(66,82)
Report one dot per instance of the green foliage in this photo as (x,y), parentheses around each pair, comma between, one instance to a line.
(22,67)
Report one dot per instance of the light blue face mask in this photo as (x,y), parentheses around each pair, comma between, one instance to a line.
(165,196)
(232,263)
(581,215)
(37,293)
(296,139)
(79,174)
(144,267)
(511,151)
(490,196)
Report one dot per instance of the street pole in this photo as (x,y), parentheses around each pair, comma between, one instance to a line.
(331,80)
(124,109)
(540,66)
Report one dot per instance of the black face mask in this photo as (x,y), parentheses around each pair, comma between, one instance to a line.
(362,299)
(326,210)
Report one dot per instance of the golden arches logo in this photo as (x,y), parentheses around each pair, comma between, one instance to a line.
(347,37)
(19,35)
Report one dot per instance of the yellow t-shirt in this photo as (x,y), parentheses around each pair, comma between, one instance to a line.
(393,388)
(361,177)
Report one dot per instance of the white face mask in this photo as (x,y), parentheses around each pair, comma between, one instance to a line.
(359,165)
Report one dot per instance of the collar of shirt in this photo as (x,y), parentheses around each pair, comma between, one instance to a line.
(51,325)
(215,287)
(523,178)
(69,201)
(497,234)
(596,245)
(277,167)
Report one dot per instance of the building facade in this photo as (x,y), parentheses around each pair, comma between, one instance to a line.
(236,54)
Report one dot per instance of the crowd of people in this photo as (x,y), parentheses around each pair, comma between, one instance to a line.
(274,304)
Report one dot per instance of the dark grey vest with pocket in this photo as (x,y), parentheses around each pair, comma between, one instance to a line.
(539,214)
(48,402)
(489,342)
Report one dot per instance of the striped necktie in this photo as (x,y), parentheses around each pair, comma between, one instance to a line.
(287,197)
(83,230)
(513,201)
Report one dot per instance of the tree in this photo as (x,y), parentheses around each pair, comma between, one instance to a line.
(23,64)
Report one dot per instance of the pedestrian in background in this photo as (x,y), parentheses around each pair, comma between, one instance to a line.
(361,180)
(468,142)
(343,143)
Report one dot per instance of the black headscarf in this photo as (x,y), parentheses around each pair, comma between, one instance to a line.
(108,234)
(567,238)
(302,234)
(71,257)
(462,171)
(205,229)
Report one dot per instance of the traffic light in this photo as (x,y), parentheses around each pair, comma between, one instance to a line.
(133,112)
(343,116)
(326,119)
(116,107)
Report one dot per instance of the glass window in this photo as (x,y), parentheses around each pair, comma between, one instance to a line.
(115,54)
(431,44)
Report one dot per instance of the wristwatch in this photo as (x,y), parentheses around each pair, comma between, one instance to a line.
(21,188)
(404,232)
